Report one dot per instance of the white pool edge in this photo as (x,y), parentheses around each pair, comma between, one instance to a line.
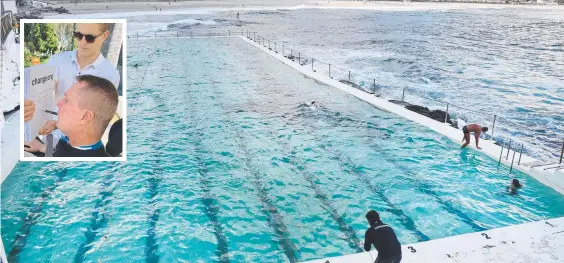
(553,179)
(539,242)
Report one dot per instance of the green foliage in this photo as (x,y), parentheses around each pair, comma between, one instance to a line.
(43,40)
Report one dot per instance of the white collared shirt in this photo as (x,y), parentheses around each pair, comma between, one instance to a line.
(67,69)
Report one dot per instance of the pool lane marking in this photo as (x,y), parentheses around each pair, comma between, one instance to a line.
(151,245)
(344,227)
(210,201)
(30,220)
(211,209)
(421,184)
(98,219)
(275,218)
(404,219)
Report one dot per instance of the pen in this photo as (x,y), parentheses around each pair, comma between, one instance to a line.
(51,112)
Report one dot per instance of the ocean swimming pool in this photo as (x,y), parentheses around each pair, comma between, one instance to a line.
(226,162)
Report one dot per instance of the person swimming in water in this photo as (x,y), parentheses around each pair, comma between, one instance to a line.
(314,105)
(515,184)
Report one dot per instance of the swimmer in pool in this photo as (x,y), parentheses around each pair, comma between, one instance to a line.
(314,105)
(515,184)
(476,129)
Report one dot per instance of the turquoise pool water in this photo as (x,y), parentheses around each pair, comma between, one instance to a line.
(226,163)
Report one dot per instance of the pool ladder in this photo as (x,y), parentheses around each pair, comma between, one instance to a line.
(558,166)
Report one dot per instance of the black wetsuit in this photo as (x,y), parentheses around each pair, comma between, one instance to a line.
(115,139)
(385,241)
(63,149)
(465,130)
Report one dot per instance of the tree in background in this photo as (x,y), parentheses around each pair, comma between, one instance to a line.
(43,40)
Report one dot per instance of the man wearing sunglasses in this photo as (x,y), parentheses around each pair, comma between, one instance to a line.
(87,59)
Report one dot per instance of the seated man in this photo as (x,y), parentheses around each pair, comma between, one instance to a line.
(84,113)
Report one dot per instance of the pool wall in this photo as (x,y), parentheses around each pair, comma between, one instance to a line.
(540,241)
(552,177)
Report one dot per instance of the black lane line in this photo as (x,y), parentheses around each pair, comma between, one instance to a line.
(211,209)
(420,184)
(327,204)
(274,217)
(30,220)
(151,245)
(349,167)
(98,220)
(209,200)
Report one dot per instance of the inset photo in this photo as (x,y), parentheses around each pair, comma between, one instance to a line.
(74,94)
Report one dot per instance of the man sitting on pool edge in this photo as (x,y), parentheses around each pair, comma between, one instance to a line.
(84,113)
(476,129)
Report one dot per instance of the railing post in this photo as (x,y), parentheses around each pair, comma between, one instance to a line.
(137,34)
(493,126)
(349,76)
(520,154)
(446,114)
(374,87)
(299,58)
(402,95)
(268,44)
(562,152)
(176,34)
(275,48)
(500,154)
(330,70)
(255,36)
(282,49)
(508,150)
(512,161)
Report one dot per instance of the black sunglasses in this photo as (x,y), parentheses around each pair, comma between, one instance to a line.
(89,38)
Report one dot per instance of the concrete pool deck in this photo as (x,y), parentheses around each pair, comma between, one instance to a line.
(553,178)
(539,241)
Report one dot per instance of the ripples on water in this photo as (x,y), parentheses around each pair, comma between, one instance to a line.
(507,62)
(226,159)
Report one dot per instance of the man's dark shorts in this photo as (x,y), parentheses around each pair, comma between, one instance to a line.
(465,130)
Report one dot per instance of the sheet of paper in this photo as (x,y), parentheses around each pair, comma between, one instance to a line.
(38,86)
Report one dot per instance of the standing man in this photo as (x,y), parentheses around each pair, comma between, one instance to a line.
(476,129)
(87,59)
(383,238)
